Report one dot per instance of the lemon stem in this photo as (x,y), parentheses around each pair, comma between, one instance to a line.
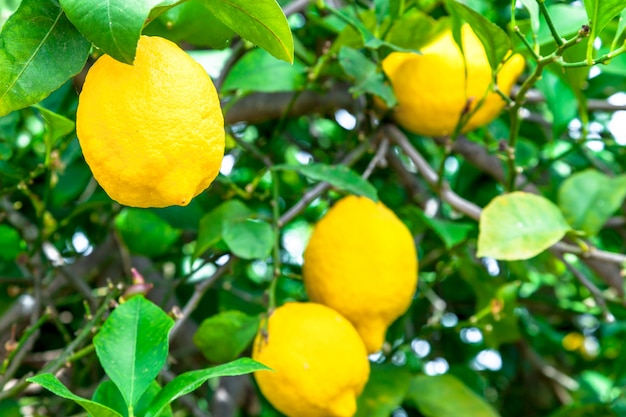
(276,230)
(549,22)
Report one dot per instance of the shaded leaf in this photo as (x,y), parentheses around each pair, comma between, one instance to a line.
(384,391)
(189,381)
(560,99)
(451,233)
(249,239)
(10,408)
(39,51)
(444,396)
(51,383)
(224,336)
(589,198)
(144,232)
(132,346)
(368,79)
(261,22)
(339,176)
(212,225)
(11,243)
(519,225)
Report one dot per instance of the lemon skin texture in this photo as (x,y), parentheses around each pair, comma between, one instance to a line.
(152,132)
(319,362)
(432,89)
(361,261)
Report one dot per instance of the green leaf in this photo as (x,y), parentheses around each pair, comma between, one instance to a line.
(189,381)
(108,394)
(600,13)
(57,126)
(444,396)
(519,225)
(212,225)
(339,176)
(11,243)
(51,383)
(223,337)
(144,232)
(258,71)
(39,51)
(415,29)
(584,410)
(367,77)
(249,239)
(621,28)
(261,22)
(10,408)
(384,392)
(561,101)
(112,25)
(496,42)
(132,346)
(451,233)
(191,22)
(589,198)
(533,10)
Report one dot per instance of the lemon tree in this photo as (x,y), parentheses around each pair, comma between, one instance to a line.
(293,208)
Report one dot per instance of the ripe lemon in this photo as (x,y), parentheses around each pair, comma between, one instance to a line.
(319,361)
(433,91)
(361,261)
(152,132)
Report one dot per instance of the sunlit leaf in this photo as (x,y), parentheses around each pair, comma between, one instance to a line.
(224,336)
(249,239)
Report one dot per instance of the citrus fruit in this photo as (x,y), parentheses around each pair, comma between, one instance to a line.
(361,261)
(319,363)
(152,132)
(433,91)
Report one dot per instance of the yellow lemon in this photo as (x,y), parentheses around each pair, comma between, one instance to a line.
(152,132)
(433,91)
(319,363)
(361,261)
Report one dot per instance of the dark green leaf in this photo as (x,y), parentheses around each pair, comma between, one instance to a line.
(519,225)
(223,337)
(560,99)
(51,383)
(11,243)
(112,25)
(496,42)
(415,29)
(589,198)
(189,381)
(249,239)
(10,408)
(107,394)
(366,75)
(212,225)
(258,71)
(132,346)
(39,51)
(444,396)
(452,233)
(261,22)
(584,410)
(339,176)
(384,392)
(144,232)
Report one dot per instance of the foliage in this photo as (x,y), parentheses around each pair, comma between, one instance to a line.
(520,224)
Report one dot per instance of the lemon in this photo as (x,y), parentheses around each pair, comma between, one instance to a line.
(152,132)
(433,91)
(320,364)
(361,261)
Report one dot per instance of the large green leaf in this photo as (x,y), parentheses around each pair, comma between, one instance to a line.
(249,239)
(339,176)
(212,225)
(224,336)
(368,79)
(600,13)
(262,22)
(39,51)
(446,396)
(384,391)
(132,346)
(112,25)
(519,225)
(189,381)
(589,198)
(51,383)
(258,71)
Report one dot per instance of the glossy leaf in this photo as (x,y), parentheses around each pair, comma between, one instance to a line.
(249,239)
(51,383)
(589,198)
(519,225)
(189,381)
(212,225)
(132,346)
(114,26)
(223,337)
(144,232)
(261,22)
(444,395)
(259,71)
(108,394)
(339,176)
(384,392)
(368,79)
(496,42)
(39,51)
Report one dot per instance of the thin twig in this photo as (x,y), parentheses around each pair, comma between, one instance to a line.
(378,159)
